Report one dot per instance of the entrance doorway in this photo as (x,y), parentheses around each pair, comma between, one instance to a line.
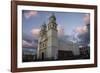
(42,55)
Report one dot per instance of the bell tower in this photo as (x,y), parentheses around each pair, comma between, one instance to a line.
(52,43)
(52,23)
(42,42)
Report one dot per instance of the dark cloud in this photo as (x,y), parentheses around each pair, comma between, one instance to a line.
(29,41)
(83,32)
(84,39)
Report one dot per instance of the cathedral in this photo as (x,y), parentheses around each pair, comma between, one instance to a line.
(49,45)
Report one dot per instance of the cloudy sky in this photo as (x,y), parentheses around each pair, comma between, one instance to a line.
(69,24)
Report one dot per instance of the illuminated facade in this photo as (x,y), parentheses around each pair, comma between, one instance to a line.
(50,47)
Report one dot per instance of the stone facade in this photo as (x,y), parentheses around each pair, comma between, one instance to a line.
(49,45)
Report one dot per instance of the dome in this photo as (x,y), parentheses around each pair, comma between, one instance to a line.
(52,17)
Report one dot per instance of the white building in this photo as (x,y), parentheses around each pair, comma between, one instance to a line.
(50,47)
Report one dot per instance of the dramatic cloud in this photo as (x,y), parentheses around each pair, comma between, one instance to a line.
(35,32)
(81,30)
(26,44)
(29,41)
(86,18)
(84,39)
(30,14)
(60,31)
(27,37)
